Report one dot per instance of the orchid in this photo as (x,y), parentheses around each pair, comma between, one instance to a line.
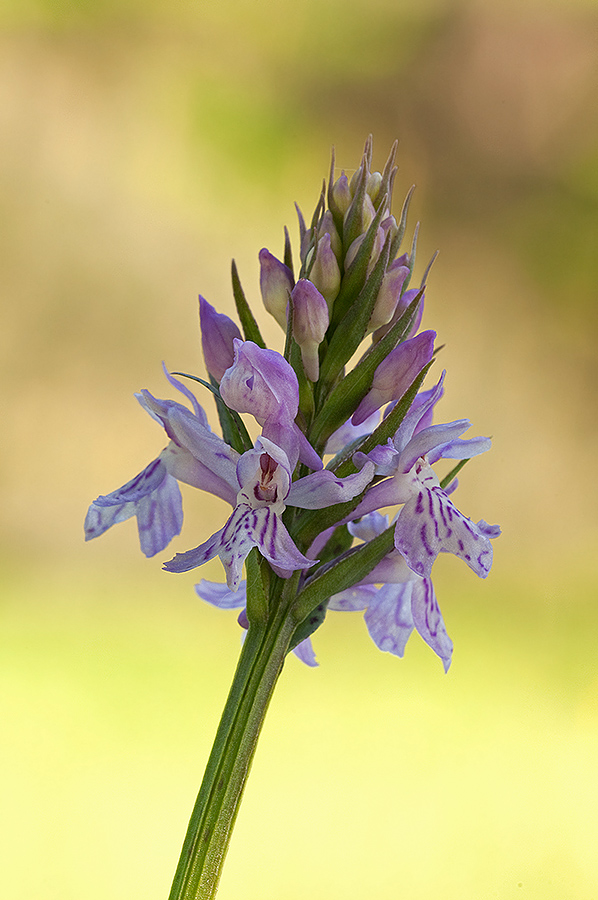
(194,456)
(317,436)
(396,600)
(263,476)
(428,521)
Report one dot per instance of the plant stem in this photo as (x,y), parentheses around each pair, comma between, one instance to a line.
(217,804)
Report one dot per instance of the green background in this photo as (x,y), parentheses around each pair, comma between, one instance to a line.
(142,146)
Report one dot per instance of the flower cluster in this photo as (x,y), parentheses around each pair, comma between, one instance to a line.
(337,444)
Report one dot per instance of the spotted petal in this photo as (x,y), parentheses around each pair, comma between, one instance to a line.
(246,528)
(389,619)
(428,620)
(429,523)
(153,496)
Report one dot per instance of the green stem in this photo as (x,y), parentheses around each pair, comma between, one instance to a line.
(217,804)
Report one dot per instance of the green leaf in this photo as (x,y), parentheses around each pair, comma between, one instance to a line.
(333,206)
(453,473)
(248,323)
(353,221)
(398,240)
(309,625)
(257,601)
(338,543)
(312,522)
(388,177)
(288,253)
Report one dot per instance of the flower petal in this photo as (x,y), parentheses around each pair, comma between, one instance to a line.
(153,496)
(418,411)
(428,439)
(305,652)
(388,617)
(260,382)
(217,335)
(353,599)
(324,488)
(185,467)
(348,433)
(429,622)
(429,523)
(191,559)
(395,373)
(274,541)
(220,595)
(246,528)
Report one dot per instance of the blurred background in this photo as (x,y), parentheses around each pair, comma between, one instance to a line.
(142,145)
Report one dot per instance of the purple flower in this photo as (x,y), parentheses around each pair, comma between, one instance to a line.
(325,272)
(428,522)
(310,321)
(221,596)
(194,455)
(217,335)
(263,383)
(400,308)
(153,496)
(396,373)
(388,295)
(405,601)
(276,284)
(263,477)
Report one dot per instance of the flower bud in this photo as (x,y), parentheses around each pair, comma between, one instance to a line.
(325,273)
(388,295)
(390,224)
(367,213)
(260,382)
(327,226)
(354,247)
(396,373)
(276,284)
(310,321)
(341,193)
(217,335)
(401,306)
(373,185)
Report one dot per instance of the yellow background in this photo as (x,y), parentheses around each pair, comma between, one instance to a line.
(142,146)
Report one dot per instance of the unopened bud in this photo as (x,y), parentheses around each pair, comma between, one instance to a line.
(310,321)
(276,284)
(354,247)
(327,226)
(389,224)
(401,306)
(367,213)
(217,336)
(396,373)
(373,185)
(341,193)
(388,296)
(325,272)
